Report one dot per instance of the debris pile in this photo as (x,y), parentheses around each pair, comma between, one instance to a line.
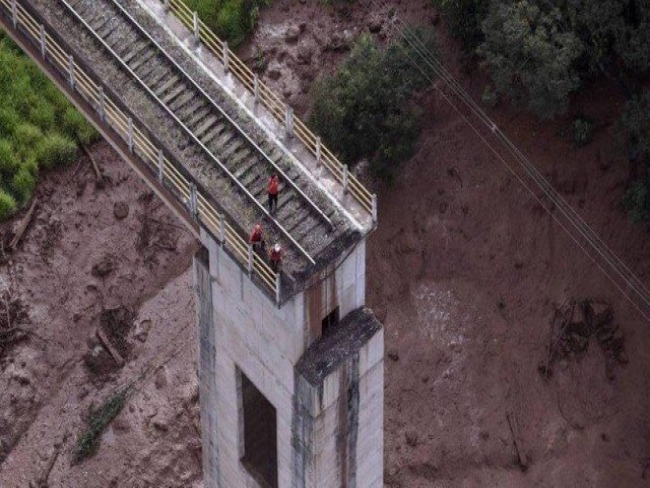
(109,348)
(574,326)
(12,314)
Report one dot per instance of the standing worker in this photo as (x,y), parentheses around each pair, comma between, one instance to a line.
(273,190)
(257,239)
(276,258)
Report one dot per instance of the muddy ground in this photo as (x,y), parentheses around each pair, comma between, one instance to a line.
(465,271)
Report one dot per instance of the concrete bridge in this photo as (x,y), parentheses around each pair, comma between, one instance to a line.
(290,363)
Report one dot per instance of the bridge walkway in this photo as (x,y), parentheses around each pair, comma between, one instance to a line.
(221,151)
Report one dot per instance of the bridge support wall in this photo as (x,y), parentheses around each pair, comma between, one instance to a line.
(281,405)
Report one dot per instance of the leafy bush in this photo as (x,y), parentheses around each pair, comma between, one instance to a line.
(232,20)
(55,150)
(38,127)
(362,111)
(77,128)
(582,131)
(490,97)
(636,121)
(23,183)
(637,200)
(7,205)
(8,160)
(464,19)
(98,420)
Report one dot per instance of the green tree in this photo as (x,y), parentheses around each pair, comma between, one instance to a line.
(636,121)
(530,53)
(363,111)
(463,18)
(232,20)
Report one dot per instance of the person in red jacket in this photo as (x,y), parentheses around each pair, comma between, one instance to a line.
(257,238)
(276,258)
(273,190)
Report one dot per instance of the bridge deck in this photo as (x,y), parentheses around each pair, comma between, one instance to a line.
(224,150)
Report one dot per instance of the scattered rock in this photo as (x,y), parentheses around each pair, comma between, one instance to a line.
(375,25)
(142,330)
(292,34)
(160,424)
(340,42)
(104,267)
(274,74)
(412,438)
(161,379)
(304,53)
(120,210)
(121,424)
(393,354)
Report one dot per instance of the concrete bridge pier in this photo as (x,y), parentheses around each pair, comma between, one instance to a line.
(291,396)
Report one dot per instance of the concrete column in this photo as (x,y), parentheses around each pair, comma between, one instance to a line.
(207,368)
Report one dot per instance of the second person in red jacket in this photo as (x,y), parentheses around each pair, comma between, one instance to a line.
(273,190)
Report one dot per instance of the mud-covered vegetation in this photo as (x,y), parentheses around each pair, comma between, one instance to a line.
(232,20)
(364,111)
(97,421)
(39,129)
(539,54)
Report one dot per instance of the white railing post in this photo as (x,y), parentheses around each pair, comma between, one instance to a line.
(130,134)
(226,57)
(256,90)
(319,151)
(161,166)
(102,104)
(222,230)
(43,40)
(277,288)
(194,201)
(250,260)
(195,23)
(14,13)
(346,178)
(288,121)
(71,70)
(374,207)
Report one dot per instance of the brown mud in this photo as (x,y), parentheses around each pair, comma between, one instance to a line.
(485,367)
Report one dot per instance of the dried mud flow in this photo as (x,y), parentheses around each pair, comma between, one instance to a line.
(497,372)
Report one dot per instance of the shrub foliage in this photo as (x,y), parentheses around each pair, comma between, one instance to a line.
(538,53)
(363,110)
(38,127)
(232,20)
(636,120)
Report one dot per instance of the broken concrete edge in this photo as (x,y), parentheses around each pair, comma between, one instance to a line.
(357,337)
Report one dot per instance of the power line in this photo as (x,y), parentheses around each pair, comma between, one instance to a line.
(577,229)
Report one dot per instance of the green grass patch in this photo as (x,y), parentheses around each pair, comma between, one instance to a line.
(96,423)
(39,128)
(231,20)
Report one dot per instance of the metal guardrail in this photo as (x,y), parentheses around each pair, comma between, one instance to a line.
(138,143)
(280,111)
